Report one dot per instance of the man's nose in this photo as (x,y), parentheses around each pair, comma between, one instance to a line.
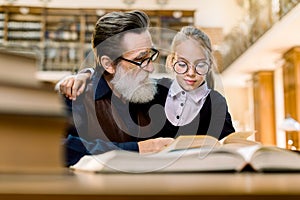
(149,68)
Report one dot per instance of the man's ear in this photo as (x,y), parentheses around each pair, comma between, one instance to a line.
(107,63)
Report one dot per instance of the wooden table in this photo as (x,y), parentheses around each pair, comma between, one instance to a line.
(183,186)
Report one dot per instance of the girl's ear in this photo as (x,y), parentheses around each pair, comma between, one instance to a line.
(169,62)
(107,63)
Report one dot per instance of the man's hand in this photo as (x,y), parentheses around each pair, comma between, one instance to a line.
(154,145)
(74,85)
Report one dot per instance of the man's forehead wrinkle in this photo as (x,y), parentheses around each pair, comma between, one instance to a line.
(133,42)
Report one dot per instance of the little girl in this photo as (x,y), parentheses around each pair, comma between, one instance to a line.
(191,104)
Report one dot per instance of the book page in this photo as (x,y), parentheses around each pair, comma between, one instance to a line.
(192,141)
(90,163)
(190,160)
(240,137)
(272,158)
(186,153)
(248,151)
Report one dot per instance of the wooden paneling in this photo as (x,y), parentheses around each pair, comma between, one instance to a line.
(264,107)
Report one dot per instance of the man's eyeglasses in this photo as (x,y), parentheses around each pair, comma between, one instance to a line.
(145,62)
(201,68)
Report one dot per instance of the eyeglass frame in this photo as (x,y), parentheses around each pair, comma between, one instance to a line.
(139,64)
(188,67)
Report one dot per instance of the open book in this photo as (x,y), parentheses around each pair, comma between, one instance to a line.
(205,141)
(196,154)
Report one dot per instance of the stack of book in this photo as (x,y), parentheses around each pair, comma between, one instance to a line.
(32,118)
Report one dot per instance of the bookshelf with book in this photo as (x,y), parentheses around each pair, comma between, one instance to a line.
(22,24)
(62,40)
(62,35)
(2,21)
(164,25)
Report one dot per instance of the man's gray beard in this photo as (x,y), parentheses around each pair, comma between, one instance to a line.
(136,89)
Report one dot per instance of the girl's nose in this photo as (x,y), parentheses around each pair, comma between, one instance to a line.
(191,70)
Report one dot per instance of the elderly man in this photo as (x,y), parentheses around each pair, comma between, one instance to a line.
(112,113)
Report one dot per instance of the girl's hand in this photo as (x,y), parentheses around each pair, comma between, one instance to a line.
(74,85)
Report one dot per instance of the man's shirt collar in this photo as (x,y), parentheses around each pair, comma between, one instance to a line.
(102,87)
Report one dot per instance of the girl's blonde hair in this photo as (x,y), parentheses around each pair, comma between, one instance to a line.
(191,32)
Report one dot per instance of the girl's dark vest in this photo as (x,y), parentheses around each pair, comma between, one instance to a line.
(213,118)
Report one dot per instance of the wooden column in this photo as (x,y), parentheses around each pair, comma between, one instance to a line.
(291,81)
(264,107)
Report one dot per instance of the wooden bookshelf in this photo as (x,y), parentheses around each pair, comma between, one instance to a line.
(62,35)
(25,28)
(2,23)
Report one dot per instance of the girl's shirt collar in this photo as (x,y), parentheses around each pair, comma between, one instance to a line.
(196,95)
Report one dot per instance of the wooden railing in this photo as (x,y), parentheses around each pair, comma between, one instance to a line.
(260,17)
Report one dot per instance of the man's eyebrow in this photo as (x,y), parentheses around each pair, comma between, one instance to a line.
(143,53)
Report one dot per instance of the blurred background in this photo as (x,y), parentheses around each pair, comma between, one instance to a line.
(256,43)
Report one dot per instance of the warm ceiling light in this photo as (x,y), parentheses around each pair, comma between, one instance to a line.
(100,12)
(24,10)
(177,14)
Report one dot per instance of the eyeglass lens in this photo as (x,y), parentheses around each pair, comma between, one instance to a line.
(146,62)
(182,67)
